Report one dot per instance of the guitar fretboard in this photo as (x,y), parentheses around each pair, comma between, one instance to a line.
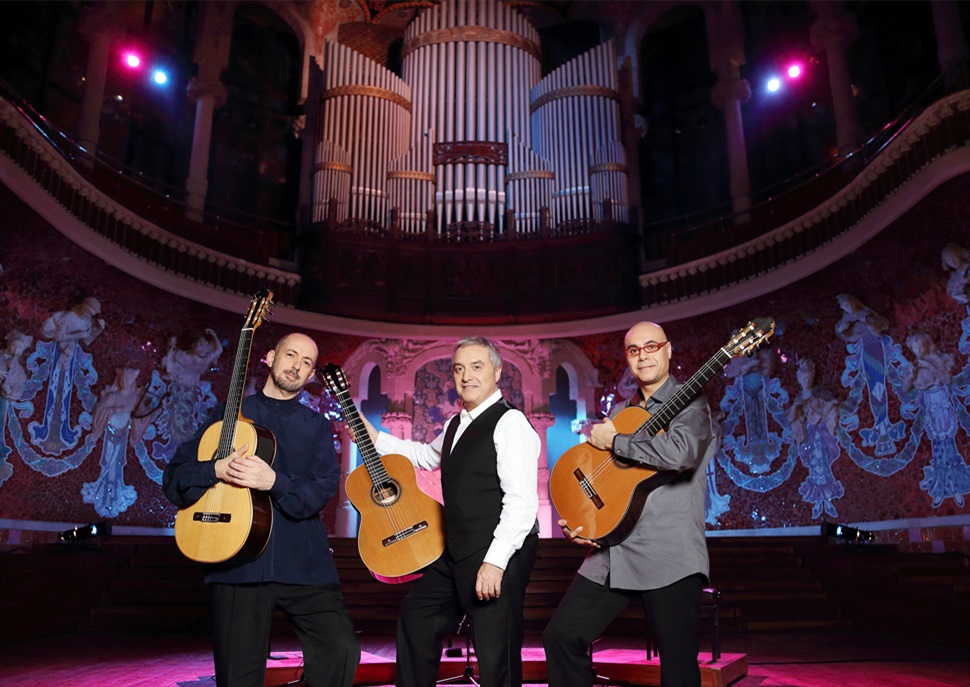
(660,420)
(375,467)
(227,437)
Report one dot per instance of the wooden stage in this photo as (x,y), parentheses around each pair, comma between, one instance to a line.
(625,666)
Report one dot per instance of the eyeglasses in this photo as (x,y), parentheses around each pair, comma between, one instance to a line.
(649,347)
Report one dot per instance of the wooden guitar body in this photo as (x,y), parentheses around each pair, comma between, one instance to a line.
(401,528)
(228,521)
(601,492)
(605,494)
(231,522)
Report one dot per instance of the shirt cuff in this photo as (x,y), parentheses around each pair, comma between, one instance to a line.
(281,485)
(499,554)
(208,473)
(621,442)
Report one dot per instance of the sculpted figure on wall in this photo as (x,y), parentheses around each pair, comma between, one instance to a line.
(76,325)
(13,377)
(814,418)
(957,259)
(185,366)
(938,409)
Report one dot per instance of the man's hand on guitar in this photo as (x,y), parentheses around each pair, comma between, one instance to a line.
(371,431)
(576,536)
(488,584)
(243,470)
(601,435)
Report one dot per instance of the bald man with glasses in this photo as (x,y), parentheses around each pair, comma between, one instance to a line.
(663,563)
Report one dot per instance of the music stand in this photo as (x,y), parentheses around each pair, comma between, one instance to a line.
(468,675)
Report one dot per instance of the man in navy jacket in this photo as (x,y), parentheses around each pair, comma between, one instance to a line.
(296,570)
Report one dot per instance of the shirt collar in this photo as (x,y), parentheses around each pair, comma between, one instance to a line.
(278,403)
(483,406)
(661,395)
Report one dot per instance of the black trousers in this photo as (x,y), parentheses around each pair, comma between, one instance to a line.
(588,608)
(241,623)
(438,601)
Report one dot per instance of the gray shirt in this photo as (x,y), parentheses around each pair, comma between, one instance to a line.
(668,543)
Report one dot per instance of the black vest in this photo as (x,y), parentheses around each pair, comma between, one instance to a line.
(470,484)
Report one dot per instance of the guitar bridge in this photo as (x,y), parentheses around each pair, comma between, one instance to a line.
(405,533)
(588,488)
(211,517)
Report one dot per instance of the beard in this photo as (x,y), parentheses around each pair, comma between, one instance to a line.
(287,383)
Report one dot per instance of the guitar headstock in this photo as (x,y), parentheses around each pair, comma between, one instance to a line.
(750,337)
(258,308)
(334,378)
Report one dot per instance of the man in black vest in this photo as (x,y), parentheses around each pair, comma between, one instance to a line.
(489,456)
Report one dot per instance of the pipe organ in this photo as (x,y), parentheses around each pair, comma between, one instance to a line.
(471,137)
(366,116)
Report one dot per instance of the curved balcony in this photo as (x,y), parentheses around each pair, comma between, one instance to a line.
(936,142)
(469,275)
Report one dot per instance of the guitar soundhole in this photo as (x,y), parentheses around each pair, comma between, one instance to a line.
(386,493)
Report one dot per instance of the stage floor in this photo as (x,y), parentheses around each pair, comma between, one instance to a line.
(803,659)
(629,666)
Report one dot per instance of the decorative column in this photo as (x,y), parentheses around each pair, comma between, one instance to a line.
(952,45)
(728,95)
(398,424)
(831,34)
(207,92)
(541,422)
(346,525)
(100,27)
(726,47)
(208,96)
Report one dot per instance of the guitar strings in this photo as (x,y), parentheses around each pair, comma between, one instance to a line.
(602,472)
(227,437)
(373,464)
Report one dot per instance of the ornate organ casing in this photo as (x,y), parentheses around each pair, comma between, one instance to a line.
(471,132)
(366,116)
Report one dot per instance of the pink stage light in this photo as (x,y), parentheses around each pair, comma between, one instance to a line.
(794,71)
(132,60)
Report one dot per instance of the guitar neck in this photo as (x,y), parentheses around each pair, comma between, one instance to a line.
(660,420)
(375,467)
(234,400)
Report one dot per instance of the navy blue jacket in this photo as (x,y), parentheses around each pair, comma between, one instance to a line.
(307,476)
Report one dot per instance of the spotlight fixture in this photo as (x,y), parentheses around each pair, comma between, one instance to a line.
(95,529)
(845,532)
(131,60)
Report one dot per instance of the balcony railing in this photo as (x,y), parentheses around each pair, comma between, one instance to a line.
(741,253)
(227,258)
(579,272)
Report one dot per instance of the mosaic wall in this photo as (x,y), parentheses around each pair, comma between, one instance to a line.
(855,411)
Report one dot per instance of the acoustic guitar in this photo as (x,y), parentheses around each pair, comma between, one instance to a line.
(606,494)
(401,528)
(231,522)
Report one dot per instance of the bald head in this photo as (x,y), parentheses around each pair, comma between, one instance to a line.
(650,369)
(651,330)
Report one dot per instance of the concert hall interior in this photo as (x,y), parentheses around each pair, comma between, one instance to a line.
(545,173)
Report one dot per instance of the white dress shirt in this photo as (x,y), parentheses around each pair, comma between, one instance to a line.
(517,446)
